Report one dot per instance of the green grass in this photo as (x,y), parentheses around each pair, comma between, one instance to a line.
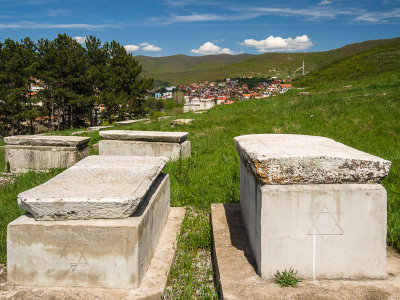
(365,116)
(287,278)
(9,209)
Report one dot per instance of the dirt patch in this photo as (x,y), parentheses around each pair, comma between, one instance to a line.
(4,180)
(3,274)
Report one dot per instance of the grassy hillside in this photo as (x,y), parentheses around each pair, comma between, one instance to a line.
(364,116)
(186,69)
(367,64)
(181,63)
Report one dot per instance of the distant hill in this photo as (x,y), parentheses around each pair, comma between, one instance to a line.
(370,63)
(186,69)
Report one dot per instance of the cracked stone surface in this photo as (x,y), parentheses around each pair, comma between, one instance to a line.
(97,187)
(147,136)
(47,140)
(127,122)
(182,122)
(294,159)
(97,128)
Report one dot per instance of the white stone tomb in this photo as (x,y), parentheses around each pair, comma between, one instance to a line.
(313,204)
(145,143)
(41,152)
(106,223)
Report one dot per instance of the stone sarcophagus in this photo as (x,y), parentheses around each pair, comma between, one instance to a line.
(41,152)
(145,143)
(313,204)
(97,224)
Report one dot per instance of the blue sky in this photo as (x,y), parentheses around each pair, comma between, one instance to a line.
(199,27)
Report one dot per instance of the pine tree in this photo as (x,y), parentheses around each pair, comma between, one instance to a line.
(16,60)
(63,68)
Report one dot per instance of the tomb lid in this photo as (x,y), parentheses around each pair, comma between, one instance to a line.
(293,159)
(150,136)
(127,122)
(47,140)
(96,128)
(97,187)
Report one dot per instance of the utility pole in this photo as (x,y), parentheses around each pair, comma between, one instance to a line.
(303,67)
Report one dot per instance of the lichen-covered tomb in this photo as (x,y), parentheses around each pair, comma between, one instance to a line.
(97,224)
(313,204)
(173,145)
(41,152)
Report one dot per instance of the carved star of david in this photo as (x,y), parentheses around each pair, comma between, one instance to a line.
(325,223)
(75,260)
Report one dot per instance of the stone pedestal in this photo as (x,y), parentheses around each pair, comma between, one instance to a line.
(145,143)
(41,153)
(313,204)
(111,251)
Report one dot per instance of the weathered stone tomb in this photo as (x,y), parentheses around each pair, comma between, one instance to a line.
(128,122)
(97,224)
(145,143)
(41,152)
(313,204)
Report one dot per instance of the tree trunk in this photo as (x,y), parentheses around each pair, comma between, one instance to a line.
(32,128)
(95,117)
(64,112)
(71,119)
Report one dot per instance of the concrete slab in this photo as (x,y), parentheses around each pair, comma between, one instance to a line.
(47,140)
(146,136)
(151,287)
(142,148)
(291,158)
(127,122)
(97,128)
(235,268)
(97,187)
(321,230)
(42,153)
(23,158)
(181,122)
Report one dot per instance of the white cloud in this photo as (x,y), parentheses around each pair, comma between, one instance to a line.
(80,39)
(379,16)
(148,47)
(57,12)
(35,25)
(210,48)
(279,44)
(131,48)
(325,2)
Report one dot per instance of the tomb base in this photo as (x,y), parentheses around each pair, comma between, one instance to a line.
(23,158)
(324,231)
(106,253)
(144,148)
(235,269)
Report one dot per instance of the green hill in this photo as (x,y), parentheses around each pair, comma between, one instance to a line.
(186,69)
(370,63)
